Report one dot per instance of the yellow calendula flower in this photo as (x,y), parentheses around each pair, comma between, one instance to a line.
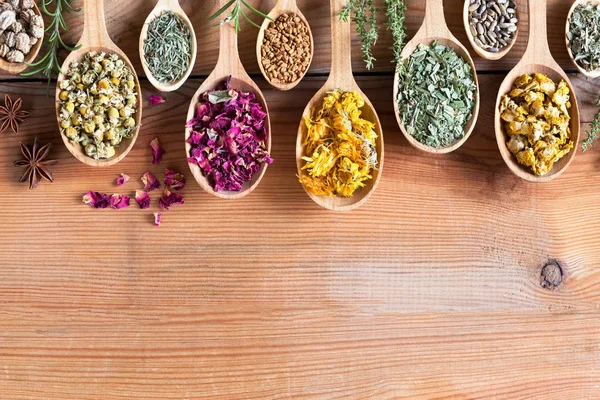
(340,146)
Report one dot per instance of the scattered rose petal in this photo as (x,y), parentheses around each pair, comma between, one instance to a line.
(122,179)
(174,180)
(97,200)
(150,182)
(155,100)
(118,201)
(157,151)
(169,199)
(142,199)
(157,218)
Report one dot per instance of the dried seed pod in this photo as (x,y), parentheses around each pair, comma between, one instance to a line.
(15,56)
(26,16)
(14,3)
(27,4)
(16,27)
(4,49)
(23,43)
(10,39)
(7,18)
(6,7)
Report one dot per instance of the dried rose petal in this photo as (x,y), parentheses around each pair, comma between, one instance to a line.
(157,151)
(142,199)
(150,182)
(174,180)
(118,201)
(96,199)
(169,199)
(155,100)
(122,179)
(157,218)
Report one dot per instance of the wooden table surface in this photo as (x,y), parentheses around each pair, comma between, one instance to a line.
(432,289)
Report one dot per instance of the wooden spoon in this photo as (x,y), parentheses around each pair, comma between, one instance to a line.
(488,55)
(282,7)
(341,78)
(16,68)
(537,58)
(161,7)
(228,64)
(589,74)
(95,38)
(434,28)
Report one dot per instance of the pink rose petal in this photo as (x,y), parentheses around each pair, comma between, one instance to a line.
(118,201)
(122,179)
(174,180)
(157,218)
(169,199)
(150,182)
(157,151)
(96,199)
(155,100)
(142,199)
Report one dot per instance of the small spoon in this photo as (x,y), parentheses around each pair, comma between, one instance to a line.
(589,74)
(537,58)
(488,55)
(161,7)
(282,7)
(228,64)
(16,68)
(341,78)
(95,38)
(434,28)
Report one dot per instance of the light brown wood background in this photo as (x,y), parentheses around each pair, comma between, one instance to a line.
(431,290)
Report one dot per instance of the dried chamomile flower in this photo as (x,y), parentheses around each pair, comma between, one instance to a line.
(98,103)
(535,115)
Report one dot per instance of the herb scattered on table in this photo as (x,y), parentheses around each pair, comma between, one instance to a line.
(121,180)
(286,49)
(340,146)
(36,163)
(584,36)
(104,200)
(436,95)
(150,182)
(594,132)
(11,115)
(54,42)
(235,14)
(142,198)
(228,139)
(364,14)
(21,28)
(98,103)
(157,218)
(167,49)
(493,23)
(155,100)
(157,151)
(536,118)
(169,199)
(174,180)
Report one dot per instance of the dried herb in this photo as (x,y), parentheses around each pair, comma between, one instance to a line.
(121,180)
(594,131)
(11,115)
(155,100)
(157,151)
(36,163)
(535,115)
(50,62)
(436,95)
(584,36)
(235,14)
(364,14)
(104,200)
(167,49)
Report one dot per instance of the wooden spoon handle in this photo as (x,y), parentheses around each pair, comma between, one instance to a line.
(172,5)
(537,47)
(341,45)
(286,4)
(94,25)
(229,56)
(434,23)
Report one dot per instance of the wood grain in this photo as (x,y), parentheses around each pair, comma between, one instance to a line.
(431,290)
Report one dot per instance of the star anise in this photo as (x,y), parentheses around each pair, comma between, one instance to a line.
(36,163)
(11,114)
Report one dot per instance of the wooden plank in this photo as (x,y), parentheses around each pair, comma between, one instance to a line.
(430,290)
(125,27)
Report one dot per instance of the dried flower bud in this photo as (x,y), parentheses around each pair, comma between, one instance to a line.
(4,49)
(10,39)
(7,18)
(27,4)
(15,56)
(22,43)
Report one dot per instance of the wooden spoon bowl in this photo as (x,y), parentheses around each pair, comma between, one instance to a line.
(228,64)
(537,58)
(282,7)
(340,78)
(161,7)
(95,38)
(488,55)
(434,28)
(589,74)
(16,68)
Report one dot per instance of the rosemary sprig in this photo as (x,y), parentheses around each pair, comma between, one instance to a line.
(49,62)
(394,10)
(236,13)
(364,14)
(594,131)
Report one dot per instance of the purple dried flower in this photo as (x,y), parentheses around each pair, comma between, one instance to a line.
(118,201)
(150,182)
(157,151)
(121,180)
(142,198)
(157,218)
(174,180)
(155,100)
(96,199)
(169,199)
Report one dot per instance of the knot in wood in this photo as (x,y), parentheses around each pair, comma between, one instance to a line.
(552,275)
